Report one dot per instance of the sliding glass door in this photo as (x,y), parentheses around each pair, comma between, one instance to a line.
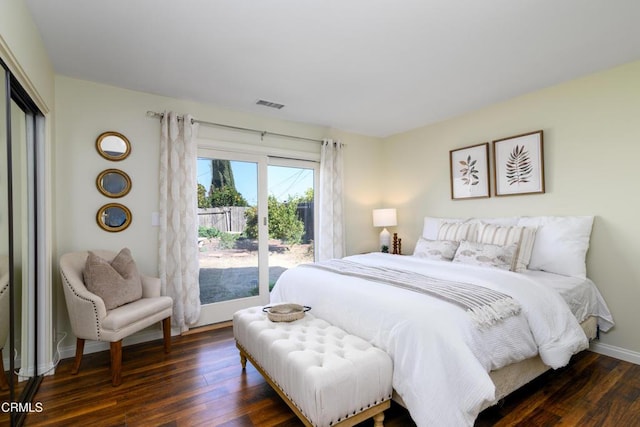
(232,233)
(292,212)
(255,221)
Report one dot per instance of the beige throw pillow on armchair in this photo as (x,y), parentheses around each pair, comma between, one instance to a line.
(116,282)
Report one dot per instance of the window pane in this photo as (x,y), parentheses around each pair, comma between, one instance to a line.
(228,229)
(291,218)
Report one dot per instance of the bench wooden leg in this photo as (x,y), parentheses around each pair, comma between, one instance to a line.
(79,350)
(116,363)
(378,420)
(243,361)
(243,356)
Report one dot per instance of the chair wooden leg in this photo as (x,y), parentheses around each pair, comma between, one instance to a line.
(166,333)
(116,363)
(4,384)
(79,350)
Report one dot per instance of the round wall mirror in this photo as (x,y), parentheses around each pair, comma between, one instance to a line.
(113,183)
(113,146)
(114,217)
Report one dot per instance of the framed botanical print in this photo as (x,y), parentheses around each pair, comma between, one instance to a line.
(519,164)
(469,169)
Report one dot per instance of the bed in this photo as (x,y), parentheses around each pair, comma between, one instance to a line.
(452,361)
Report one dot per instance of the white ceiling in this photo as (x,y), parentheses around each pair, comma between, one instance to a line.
(375,67)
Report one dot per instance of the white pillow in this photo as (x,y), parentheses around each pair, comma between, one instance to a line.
(503,236)
(458,231)
(442,250)
(485,254)
(432,226)
(561,243)
(507,221)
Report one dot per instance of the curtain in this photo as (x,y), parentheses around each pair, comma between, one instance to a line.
(331,229)
(178,260)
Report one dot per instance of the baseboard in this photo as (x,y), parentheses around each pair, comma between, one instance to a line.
(207,328)
(96,346)
(44,368)
(617,352)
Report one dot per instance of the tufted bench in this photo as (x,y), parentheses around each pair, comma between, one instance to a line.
(326,376)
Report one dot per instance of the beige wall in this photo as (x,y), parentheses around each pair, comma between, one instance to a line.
(22,49)
(85,109)
(591,148)
(364,177)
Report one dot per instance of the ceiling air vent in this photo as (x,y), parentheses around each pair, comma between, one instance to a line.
(269,104)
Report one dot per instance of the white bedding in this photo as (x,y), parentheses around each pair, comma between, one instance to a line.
(441,360)
(581,295)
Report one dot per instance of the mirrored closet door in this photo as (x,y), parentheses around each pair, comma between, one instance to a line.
(6,392)
(21,248)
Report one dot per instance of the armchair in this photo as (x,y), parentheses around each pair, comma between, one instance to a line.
(90,319)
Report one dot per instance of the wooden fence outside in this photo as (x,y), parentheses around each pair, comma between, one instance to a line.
(232,219)
(229,219)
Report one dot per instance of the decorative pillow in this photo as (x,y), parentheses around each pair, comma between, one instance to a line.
(116,282)
(443,250)
(432,226)
(505,221)
(503,236)
(485,254)
(457,231)
(561,244)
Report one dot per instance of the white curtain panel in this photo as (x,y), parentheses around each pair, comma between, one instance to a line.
(178,238)
(331,230)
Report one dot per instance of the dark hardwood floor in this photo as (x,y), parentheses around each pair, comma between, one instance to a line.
(201,383)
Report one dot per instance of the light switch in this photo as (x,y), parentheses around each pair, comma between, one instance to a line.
(155,219)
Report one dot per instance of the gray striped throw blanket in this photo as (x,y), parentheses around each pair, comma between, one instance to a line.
(484,305)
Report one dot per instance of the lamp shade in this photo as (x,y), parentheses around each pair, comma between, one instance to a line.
(384,218)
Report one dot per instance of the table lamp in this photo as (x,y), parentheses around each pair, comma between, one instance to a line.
(384,218)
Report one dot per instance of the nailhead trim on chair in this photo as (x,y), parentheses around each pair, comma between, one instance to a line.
(95,309)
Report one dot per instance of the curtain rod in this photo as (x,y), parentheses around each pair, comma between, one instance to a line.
(262,133)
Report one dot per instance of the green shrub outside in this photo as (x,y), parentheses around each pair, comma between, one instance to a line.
(283,221)
(227,240)
(208,232)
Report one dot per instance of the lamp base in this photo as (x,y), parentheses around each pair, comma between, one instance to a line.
(385,240)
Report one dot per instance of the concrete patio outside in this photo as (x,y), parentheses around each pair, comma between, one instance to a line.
(227,274)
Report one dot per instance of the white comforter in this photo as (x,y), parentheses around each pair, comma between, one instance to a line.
(441,360)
